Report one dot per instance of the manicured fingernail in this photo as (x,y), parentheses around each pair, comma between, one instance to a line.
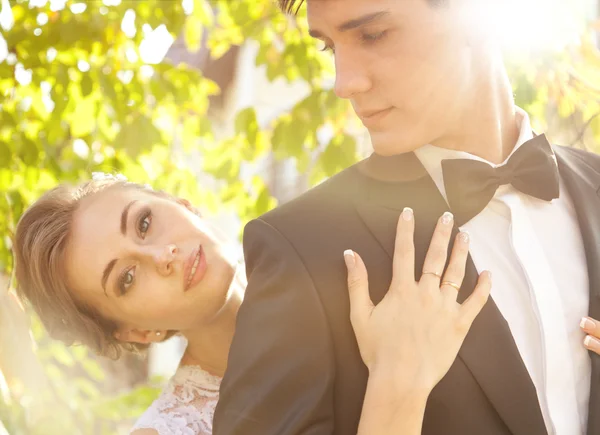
(489,274)
(587,323)
(589,341)
(407,213)
(447,218)
(464,236)
(349,258)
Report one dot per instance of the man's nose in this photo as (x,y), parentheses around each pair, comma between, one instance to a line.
(351,77)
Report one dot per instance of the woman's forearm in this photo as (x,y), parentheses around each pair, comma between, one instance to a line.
(390,408)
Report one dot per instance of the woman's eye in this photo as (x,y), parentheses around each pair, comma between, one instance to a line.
(126,280)
(144,223)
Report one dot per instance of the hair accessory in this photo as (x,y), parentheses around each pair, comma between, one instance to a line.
(103,176)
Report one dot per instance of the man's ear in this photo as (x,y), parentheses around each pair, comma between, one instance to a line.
(480,22)
(139,336)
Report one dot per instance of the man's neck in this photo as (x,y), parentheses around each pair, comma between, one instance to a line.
(488,126)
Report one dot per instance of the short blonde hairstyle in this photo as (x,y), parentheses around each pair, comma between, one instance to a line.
(41,240)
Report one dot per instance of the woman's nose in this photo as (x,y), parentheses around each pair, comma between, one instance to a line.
(164,257)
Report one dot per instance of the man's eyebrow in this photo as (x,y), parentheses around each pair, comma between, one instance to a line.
(361,21)
(353,24)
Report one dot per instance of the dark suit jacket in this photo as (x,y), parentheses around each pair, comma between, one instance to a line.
(294,365)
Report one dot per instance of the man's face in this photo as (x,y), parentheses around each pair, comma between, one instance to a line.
(404,64)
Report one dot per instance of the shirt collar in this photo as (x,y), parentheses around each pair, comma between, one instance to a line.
(431,156)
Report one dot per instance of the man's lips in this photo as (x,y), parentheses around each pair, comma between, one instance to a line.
(372,117)
(370,114)
(195,267)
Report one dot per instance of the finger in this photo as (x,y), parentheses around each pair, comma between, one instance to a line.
(435,260)
(592,343)
(358,288)
(404,250)
(590,326)
(474,303)
(455,272)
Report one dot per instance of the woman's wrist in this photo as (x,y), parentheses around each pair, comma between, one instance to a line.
(393,404)
(395,386)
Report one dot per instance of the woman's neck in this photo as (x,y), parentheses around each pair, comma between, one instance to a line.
(487,128)
(208,345)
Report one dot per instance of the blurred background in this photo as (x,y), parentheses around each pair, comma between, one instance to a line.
(225,102)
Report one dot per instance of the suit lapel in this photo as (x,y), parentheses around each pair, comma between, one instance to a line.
(582,182)
(489,350)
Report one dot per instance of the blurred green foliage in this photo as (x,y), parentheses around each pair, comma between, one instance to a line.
(77,96)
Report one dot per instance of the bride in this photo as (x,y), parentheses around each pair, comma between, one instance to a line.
(117,266)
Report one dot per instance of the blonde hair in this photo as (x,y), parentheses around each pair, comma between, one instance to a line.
(39,247)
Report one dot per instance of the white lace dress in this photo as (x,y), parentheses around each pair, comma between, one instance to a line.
(186,406)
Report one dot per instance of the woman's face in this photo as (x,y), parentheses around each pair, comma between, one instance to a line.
(147,262)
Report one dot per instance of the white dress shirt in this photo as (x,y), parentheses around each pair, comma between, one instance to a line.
(534,250)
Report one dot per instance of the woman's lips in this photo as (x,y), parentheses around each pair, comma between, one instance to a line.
(195,268)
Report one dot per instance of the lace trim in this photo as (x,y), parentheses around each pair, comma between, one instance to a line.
(186,406)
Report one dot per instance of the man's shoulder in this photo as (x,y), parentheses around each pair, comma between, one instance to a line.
(585,157)
(320,199)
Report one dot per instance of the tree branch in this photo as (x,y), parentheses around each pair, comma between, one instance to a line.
(585,127)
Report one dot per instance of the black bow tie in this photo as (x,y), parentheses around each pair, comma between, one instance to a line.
(471,184)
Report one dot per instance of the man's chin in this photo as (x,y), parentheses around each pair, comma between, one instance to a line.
(388,144)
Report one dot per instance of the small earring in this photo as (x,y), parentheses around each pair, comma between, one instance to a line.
(158,333)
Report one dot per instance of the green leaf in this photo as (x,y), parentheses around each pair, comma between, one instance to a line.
(108,85)
(138,135)
(87,85)
(246,124)
(83,117)
(29,152)
(194,30)
(5,155)
(264,202)
(62,355)
(86,387)
(339,154)
(93,369)
(6,178)
(288,138)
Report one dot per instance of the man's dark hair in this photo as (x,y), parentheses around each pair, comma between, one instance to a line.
(288,6)
(293,6)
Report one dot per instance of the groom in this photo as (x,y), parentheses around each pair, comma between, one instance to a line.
(427,80)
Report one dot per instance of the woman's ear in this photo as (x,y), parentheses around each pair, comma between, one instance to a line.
(188,205)
(185,203)
(139,336)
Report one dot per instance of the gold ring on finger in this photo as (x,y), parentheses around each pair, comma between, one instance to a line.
(439,276)
(451,284)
